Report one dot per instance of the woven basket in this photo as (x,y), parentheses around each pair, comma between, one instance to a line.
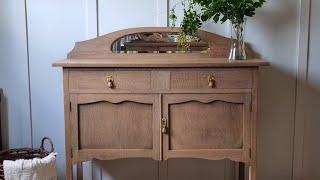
(24,153)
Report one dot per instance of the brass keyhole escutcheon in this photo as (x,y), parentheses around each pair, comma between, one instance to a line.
(164,126)
(110,82)
(211,81)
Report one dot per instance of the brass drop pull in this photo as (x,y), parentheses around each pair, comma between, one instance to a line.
(164,126)
(110,82)
(211,81)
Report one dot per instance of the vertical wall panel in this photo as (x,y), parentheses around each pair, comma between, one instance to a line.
(311,157)
(116,15)
(54,27)
(14,74)
(274,34)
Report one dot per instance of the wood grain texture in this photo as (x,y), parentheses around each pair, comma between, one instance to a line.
(199,79)
(124,121)
(111,154)
(253,129)
(195,125)
(101,47)
(104,124)
(159,61)
(122,80)
(67,121)
(127,125)
(214,154)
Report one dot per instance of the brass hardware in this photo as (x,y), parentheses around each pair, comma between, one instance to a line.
(110,82)
(164,126)
(211,81)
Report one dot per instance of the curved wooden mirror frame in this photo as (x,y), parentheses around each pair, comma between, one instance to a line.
(101,47)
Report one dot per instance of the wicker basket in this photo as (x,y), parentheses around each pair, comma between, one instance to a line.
(24,153)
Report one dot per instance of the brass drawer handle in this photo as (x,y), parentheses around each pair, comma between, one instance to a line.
(110,82)
(211,81)
(164,126)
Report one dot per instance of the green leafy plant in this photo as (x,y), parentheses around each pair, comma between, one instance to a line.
(189,25)
(223,10)
(217,10)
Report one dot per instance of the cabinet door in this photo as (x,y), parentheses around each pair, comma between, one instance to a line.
(208,126)
(114,126)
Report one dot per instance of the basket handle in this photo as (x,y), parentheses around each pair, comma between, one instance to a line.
(42,149)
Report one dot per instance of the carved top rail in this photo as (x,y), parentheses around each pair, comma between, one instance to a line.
(160,40)
(154,47)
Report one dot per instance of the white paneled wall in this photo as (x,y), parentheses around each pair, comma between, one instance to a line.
(116,15)
(14,74)
(53,26)
(274,34)
(311,133)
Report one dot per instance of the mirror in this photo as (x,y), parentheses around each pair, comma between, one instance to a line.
(154,42)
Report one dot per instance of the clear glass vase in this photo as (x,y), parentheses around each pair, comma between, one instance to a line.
(238,49)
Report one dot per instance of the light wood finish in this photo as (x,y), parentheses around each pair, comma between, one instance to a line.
(118,106)
(160,61)
(69,163)
(204,124)
(127,125)
(115,122)
(196,125)
(223,79)
(122,80)
(100,48)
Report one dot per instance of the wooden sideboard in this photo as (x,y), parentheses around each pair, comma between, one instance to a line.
(159,106)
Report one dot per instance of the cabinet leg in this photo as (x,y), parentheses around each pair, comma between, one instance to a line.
(253,171)
(241,171)
(69,169)
(79,171)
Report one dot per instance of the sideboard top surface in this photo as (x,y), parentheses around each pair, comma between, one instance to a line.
(158,63)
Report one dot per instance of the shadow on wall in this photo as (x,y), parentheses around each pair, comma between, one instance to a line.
(275,126)
(274,33)
(173,169)
(4,121)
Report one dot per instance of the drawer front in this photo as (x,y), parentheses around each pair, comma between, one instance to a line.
(211,79)
(109,80)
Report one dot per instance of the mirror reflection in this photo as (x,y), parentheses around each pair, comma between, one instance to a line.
(154,42)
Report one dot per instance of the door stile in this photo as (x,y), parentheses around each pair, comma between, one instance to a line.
(247,129)
(165,136)
(74,127)
(156,128)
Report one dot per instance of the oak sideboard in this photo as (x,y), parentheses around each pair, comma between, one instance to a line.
(134,94)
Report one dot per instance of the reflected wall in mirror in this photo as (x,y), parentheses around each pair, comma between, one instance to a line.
(154,42)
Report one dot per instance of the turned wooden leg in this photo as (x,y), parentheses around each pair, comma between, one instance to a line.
(253,171)
(79,171)
(241,171)
(69,169)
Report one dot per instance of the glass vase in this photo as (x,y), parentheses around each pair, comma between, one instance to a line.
(238,49)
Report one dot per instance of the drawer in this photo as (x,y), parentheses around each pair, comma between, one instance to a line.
(220,79)
(100,80)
